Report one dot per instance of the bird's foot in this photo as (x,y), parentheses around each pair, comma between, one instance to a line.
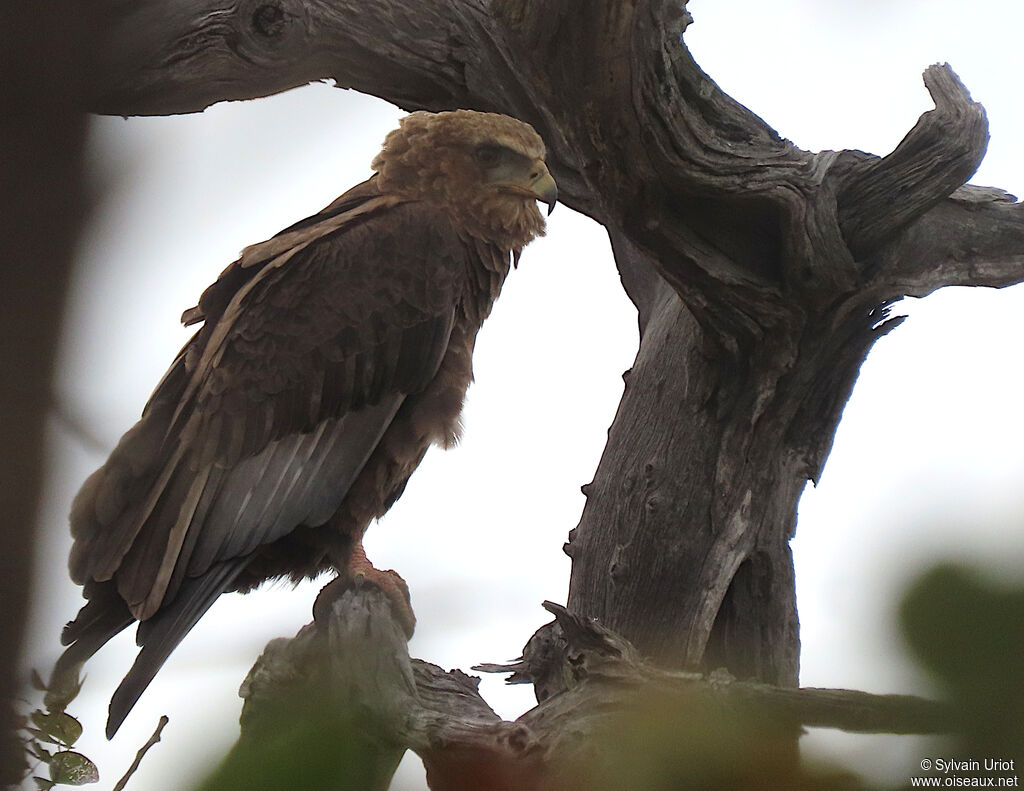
(394,587)
(360,571)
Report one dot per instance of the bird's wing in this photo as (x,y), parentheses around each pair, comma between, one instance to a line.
(270,412)
(355,204)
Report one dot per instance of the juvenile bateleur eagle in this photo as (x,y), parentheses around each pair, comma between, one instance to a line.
(329,359)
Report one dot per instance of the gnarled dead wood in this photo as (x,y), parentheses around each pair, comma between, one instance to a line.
(352,666)
(936,157)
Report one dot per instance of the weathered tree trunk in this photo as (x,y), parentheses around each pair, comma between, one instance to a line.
(762,273)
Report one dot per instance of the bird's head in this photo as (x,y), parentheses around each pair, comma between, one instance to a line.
(486,170)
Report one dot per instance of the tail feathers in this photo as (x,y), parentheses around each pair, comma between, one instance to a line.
(104,616)
(160,635)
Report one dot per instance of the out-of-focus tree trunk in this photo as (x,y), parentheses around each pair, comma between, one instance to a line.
(42,129)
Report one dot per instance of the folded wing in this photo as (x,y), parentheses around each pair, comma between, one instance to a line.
(265,418)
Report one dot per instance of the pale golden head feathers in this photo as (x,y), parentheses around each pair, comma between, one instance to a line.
(486,170)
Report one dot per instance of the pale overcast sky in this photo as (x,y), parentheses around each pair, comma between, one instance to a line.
(927,463)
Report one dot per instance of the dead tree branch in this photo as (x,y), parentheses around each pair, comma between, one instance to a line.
(936,157)
(151,742)
(352,662)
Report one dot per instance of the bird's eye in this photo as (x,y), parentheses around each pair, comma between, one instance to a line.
(488,155)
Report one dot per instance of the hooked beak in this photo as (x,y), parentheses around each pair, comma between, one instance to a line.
(545,189)
(538,185)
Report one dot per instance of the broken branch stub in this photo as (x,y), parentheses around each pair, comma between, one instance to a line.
(938,155)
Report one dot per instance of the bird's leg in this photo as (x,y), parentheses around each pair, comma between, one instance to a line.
(359,571)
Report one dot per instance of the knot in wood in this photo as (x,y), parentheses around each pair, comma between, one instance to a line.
(268,20)
(519,739)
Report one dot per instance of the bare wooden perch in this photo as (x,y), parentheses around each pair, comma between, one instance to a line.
(353,662)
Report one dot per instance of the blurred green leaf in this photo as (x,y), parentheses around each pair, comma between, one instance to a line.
(37,682)
(43,784)
(60,728)
(62,691)
(42,736)
(968,633)
(73,769)
(687,743)
(38,751)
(301,743)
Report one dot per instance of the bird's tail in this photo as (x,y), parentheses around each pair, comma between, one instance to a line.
(104,615)
(160,635)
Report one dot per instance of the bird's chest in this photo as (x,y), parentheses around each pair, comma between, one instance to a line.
(434,414)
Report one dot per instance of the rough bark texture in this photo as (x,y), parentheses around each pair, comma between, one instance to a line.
(42,131)
(762,273)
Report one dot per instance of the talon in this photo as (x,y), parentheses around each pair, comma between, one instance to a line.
(359,572)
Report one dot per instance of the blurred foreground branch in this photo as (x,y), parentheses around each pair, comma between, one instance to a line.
(152,741)
(42,204)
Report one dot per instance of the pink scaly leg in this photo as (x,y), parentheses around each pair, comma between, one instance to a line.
(360,571)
